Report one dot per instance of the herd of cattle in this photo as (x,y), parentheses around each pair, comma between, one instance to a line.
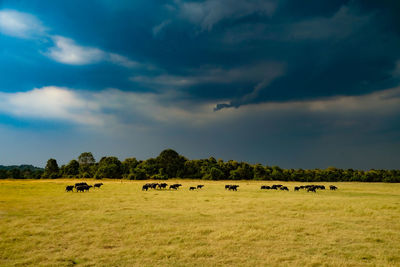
(164,186)
(309,188)
(82,187)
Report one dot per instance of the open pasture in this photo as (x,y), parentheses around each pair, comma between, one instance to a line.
(121,225)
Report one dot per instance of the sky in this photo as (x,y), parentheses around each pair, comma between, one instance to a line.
(279,82)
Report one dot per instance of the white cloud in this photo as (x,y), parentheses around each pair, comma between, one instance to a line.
(122,60)
(64,50)
(51,103)
(113,109)
(208,13)
(68,52)
(19,24)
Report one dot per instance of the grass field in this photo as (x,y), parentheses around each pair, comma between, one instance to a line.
(119,225)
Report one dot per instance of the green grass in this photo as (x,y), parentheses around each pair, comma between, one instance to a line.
(119,225)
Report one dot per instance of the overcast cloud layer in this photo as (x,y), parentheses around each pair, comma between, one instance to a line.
(276,82)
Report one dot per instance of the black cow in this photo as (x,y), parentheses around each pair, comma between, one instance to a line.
(173,186)
(284,188)
(332,187)
(296,188)
(200,186)
(145,187)
(192,188)
(233,187)
(83,188)
(227,186)
(69,188)
(97,185)
(162,186)
(79,184)
(312,189)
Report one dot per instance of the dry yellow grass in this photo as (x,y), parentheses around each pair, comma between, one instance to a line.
(119,225)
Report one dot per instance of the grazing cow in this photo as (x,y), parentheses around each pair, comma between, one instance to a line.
(275,187)
(311,189)
(81,188)
(173,186)
(227,186)
(192,188)
(79,184)
(200,186)
(145,187)
(263,187)
(162,186)
(233,187)
(296,188)
(69,188)
(332,187)
(87,187)
(284,188)
(97,185)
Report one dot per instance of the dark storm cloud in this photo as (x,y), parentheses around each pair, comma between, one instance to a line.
(287,78)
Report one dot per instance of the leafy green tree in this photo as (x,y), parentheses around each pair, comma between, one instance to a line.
(128,166)
(87,165)
(216,174)
(171,162)
(109,167)
(259,172)
(138,174)
(51,170)
(86,158)
(71,169)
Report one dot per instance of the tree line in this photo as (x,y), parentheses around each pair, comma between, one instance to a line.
(169,164)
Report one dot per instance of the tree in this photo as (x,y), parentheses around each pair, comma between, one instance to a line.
(128,166)
(52,170)
(71,169)
(216,174)
(86,158)
(87,164)
(171,162)
(109,167)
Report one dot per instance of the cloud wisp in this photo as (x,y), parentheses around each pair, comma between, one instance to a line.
(20,24)
(208,13)
(64,50)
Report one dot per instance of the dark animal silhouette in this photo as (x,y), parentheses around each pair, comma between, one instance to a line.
(311,189)
(69,188)
(227,186)
(97,185)
(162,186)
(296,188)
(174,186)
(192,188)
(145,187)
(83,188)
(79,184)
(200,186)
(332,187)
(284,188)
(233,187)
